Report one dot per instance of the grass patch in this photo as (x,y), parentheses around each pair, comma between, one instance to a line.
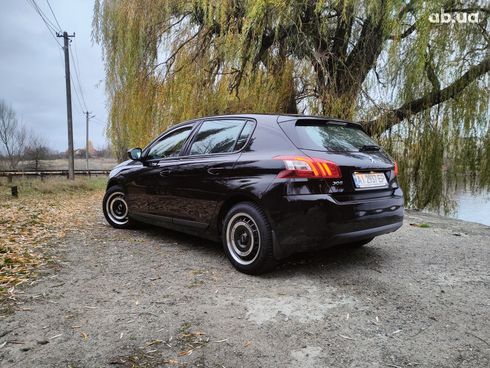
(52,185)
(423,225)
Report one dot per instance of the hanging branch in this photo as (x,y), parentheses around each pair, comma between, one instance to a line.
(395,116)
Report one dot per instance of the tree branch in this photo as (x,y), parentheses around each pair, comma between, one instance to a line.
(393,117)
(429,70)
(404,34)
(343,31)
(363,56)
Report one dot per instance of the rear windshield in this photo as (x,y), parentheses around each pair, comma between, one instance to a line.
(329,136)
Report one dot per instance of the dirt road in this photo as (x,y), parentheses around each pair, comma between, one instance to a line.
(149,298)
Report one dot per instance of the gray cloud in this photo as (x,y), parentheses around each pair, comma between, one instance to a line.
(32,77)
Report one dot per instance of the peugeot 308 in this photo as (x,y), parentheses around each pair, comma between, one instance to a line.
(267,186)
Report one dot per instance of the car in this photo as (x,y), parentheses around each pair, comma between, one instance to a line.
(266,186)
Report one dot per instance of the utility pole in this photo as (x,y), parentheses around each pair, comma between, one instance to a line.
(71,158)
(87,118)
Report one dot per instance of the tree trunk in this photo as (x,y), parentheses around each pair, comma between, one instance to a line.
(340,106)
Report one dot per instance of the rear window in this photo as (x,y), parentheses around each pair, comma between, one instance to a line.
(328,136)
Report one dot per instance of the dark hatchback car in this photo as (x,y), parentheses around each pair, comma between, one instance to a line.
(266,185)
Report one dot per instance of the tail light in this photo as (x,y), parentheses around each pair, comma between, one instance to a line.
(396,169)
(306,167)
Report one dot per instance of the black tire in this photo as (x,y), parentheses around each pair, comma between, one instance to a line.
(115,208)
(361,243)
(247,239)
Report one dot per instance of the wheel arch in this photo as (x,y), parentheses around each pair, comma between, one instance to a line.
(231,201)
(112,182)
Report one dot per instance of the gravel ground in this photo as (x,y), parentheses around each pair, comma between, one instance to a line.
(150,298)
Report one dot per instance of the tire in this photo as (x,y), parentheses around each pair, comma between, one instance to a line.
(247,239)
(116,209)
(361,243)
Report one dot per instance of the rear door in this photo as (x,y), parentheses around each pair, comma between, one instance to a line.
(363,164)
(204,173)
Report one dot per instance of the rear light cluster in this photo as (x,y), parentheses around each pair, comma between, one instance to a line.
(396,169)
(306,167)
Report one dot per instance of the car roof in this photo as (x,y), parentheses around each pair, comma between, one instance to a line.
(275,117)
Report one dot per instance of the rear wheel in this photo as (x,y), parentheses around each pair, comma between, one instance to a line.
(247,239)
(116,209)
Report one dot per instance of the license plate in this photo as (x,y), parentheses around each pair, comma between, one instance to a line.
(369,180)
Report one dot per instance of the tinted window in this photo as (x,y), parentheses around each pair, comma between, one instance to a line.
(170,145)
(243,138)
(216,136)
(331,136)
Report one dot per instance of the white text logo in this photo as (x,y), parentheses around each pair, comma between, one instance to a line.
(454,17)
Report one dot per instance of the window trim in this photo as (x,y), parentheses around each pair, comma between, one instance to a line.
(185,153)
(174,129)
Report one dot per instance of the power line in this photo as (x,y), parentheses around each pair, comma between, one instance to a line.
(77,75)
(44,16)
(76,94)
(52,29)
(41,14)
(56,20)
(68,78)
(52,12)
(98,121)
(46,21)
(57,29)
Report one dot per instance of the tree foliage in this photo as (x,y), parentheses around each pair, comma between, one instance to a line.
(420,87)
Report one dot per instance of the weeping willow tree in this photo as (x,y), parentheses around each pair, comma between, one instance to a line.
(417,82)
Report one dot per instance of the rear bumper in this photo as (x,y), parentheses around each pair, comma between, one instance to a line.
(308,222)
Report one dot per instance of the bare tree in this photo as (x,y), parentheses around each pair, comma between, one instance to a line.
(13,136)
(36,151)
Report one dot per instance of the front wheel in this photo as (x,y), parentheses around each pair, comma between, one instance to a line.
(247,239)
(116,209)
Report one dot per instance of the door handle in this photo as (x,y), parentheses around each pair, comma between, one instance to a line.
(215,170)
(165,172)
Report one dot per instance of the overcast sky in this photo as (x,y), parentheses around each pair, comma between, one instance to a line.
(32,77)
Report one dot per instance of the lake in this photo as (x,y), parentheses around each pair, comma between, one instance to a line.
(474,207)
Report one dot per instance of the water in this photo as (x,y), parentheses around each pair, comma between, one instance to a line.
(473,207)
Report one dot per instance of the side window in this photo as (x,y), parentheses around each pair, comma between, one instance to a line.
(216,136)
(170,145)
(244,135)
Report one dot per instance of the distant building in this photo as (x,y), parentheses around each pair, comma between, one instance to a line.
(92,152)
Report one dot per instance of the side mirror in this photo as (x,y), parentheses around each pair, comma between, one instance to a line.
(135,154)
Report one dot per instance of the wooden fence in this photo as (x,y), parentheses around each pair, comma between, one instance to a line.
(43,173)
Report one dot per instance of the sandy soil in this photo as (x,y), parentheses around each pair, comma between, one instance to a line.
(149,298)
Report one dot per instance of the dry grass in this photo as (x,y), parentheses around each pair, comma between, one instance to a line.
(51,185)
(62,164)
(43,212)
